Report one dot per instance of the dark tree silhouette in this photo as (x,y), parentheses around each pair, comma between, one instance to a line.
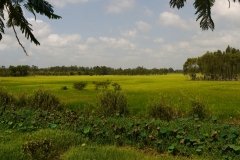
(203,10)
(219,65)
(16,18)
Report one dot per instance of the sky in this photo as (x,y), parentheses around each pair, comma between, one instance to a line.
(122,33)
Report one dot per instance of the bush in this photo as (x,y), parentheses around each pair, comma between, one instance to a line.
(79,85)
(44,100)
(22,101)
(41,149)
(116,87)
(102,84)
(198,109)
(112,103)
(159,108)
(64,88)
(6,100)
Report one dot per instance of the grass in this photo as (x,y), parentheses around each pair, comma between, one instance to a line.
(222,97)
(70,146)
(114,153)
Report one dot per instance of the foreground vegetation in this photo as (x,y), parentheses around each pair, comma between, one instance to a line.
(40,127)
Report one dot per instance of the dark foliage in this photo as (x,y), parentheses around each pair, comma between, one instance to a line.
(160,109)
(16,17)
(112,103)
(44,100)
(75,70)
(102,84)
(199,110)
(80,85)
(39,150)
(203,11)
(215,65)
(6,101)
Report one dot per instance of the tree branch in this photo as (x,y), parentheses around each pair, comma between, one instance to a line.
(24,50)
(16,35)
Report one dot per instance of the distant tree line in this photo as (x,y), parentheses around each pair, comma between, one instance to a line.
(219,65)
(25,70)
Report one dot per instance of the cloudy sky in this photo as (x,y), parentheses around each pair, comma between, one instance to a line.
(122,33)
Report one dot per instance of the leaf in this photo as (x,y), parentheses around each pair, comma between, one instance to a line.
(203,12)
(87,130)
(42,7)
(53,126)
(16,18)
(177,3)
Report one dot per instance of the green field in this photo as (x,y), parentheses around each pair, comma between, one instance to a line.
(221,97)
(35,133)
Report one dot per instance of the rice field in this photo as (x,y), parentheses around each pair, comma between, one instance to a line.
(221,97)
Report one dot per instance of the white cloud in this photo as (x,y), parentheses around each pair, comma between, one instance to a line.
(91,40)
(158,40)
(222,13)
(62,3)
(118,6)
(140,27)
(148,12)
(170,19)
(143,26)
(221,8)
(56,40)
(130,33)
(110,42)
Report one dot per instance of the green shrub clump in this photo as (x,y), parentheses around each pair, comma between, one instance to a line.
(159,108)
(112,103)
(44,100)
(6,100)
(80,85)
(102,84)
(40,149)
(116,87)
(198,109)
(64,88)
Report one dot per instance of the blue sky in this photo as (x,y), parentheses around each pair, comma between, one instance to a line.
(122,33)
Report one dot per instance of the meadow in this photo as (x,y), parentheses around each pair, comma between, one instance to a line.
(75,133)
(221,97)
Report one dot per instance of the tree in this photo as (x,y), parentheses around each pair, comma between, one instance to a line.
(16,18)
(219,65)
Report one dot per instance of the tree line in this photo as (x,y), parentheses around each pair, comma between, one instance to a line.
(218,65)
(25,70)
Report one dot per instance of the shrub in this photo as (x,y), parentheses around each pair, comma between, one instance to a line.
(6,100)
(116,87)
(22,101)
(44,100)
(198,109)
(64,88)
(102,84)
(159,108)
(80,85)
(40,149)
(112,103)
